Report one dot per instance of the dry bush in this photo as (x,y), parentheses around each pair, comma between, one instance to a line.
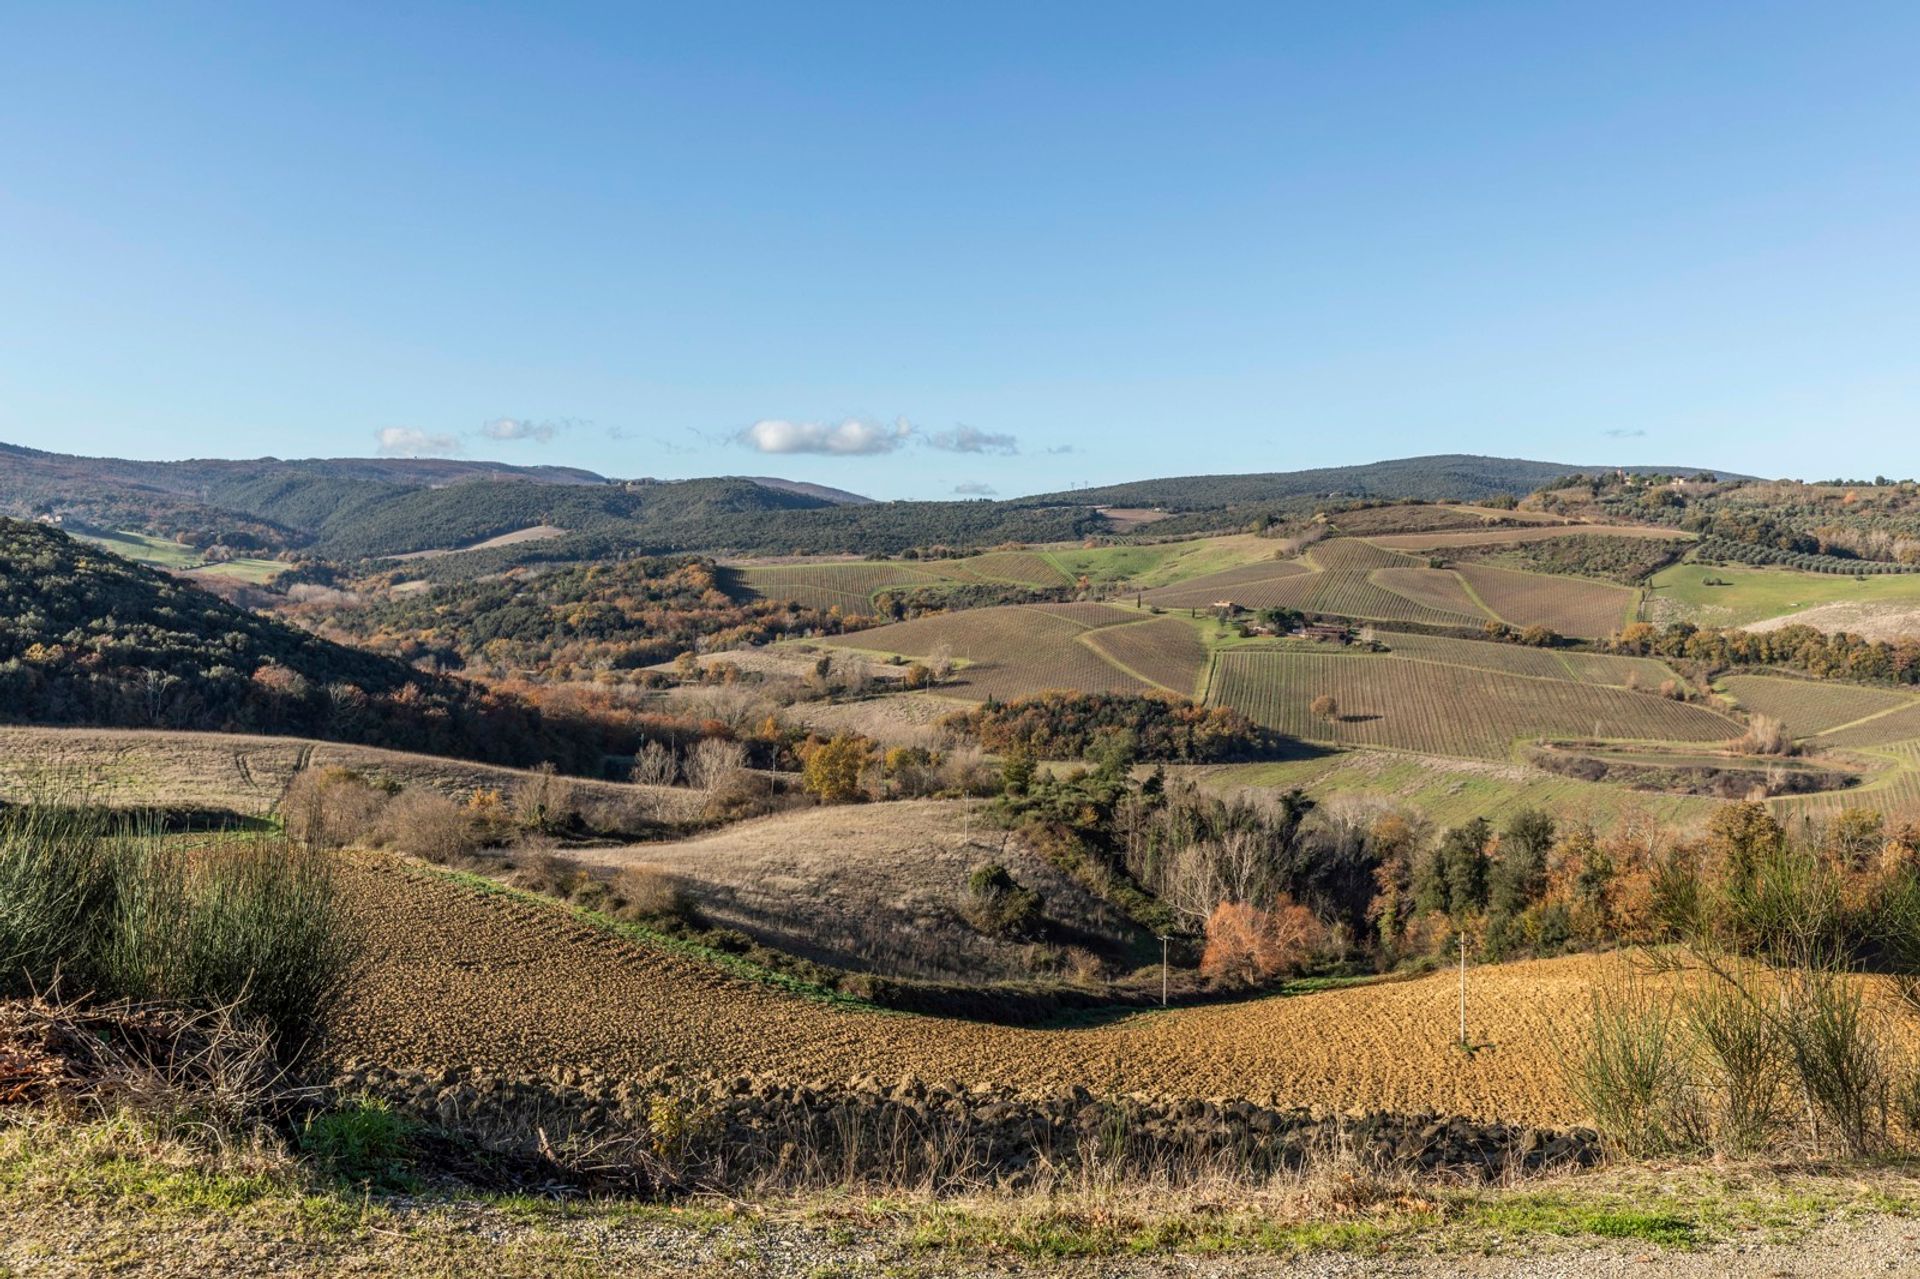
(1248,944)
(648,892)
(714,763)
(655,765)
(331,808)
(964,769)
(537,868)
(545,801)
(1765,735)
(426,824)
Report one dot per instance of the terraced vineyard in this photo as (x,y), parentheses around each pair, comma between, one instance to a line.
(1572,606)
(1808,707)
(1894,794)
(1023,568)
(1542,663)
(1342,577)
(1430,588)
(1898,725)
(1010,652)
(1440,708)
(1165,650)
(1249,585)
(849,586)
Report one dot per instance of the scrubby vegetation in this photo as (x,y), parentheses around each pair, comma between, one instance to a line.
(1070,725)
(1627,560)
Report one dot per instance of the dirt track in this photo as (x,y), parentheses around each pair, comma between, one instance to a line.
(460,976)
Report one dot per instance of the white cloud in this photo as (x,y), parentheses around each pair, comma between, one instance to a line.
(1061,448)
(519,428)
(971,439)
(974,488)
(405,441)
(1622,433)
(851,438)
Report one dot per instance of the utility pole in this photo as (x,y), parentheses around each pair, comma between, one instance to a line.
(1463,990)
(1163,970)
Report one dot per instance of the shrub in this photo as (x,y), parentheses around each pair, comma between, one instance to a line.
(331,808)
(544,801)
(647,892)
(1765,735)
(831,770)
(426,824)
(1325,707)
(998,905)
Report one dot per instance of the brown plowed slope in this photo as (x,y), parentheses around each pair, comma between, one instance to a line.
(458,976)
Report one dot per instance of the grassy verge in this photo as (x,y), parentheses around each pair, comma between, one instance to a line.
(111,1194)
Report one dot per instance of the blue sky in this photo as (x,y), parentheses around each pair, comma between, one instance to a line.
(917,248)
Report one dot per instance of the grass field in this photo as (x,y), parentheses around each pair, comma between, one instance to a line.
(1342,577)
(1443,709)
(1680,593)
(1572,606)
(1808,706)
(502,983)
(164,553)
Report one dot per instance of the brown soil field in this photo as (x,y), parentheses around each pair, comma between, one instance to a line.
(874,886)
(460,976)
(245,774)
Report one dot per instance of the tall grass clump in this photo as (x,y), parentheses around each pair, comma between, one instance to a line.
(1769,1031)
(97,907)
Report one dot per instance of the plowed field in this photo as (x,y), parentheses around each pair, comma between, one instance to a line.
(457,976)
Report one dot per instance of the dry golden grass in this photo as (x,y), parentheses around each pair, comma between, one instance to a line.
(872,886)
(245,774)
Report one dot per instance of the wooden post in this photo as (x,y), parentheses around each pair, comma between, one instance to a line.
(1163,970)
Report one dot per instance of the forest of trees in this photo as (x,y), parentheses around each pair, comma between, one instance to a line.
(88,638)
(1800,648)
